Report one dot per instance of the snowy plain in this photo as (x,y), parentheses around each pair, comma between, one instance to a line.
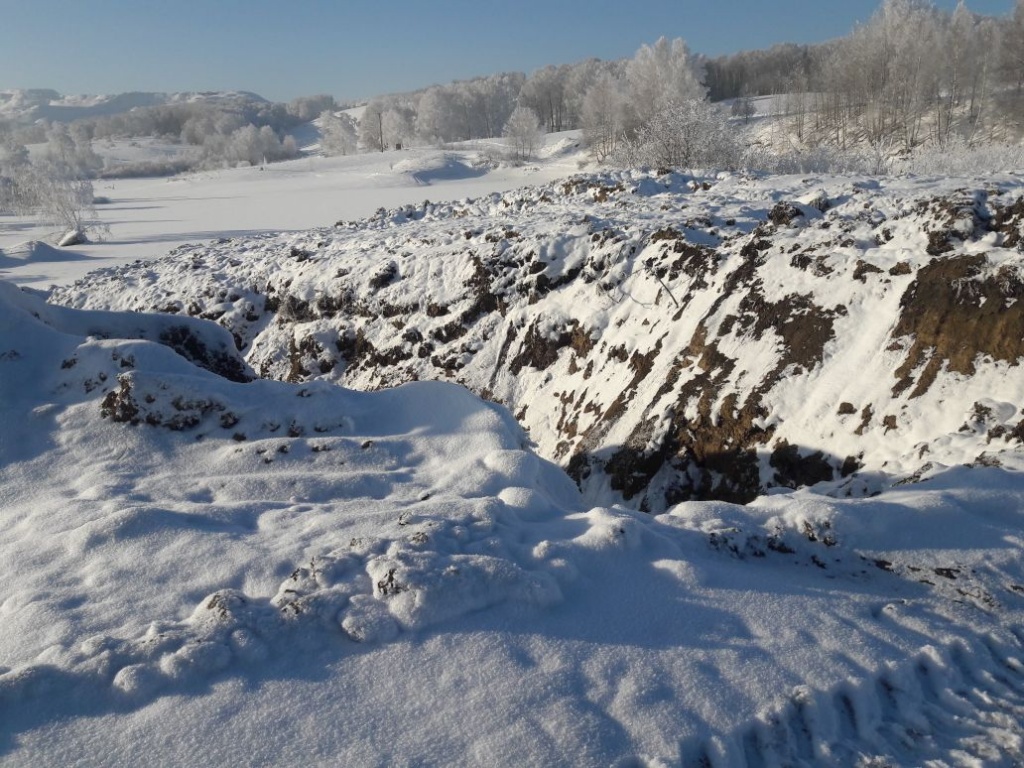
(149,217)
(198,569)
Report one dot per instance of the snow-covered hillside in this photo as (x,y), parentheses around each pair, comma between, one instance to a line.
(30,104)
(664,338)
(197,569)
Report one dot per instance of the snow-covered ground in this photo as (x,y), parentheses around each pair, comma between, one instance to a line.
(198,567)
(266,573)
(148,217)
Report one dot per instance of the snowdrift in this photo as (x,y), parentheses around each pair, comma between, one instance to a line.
(197,568)
(35,251)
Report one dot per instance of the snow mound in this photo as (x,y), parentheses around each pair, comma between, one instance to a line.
(35,251)
(430,167)
(566,144)
(437,558)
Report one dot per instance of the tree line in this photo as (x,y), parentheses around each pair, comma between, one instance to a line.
(911,76)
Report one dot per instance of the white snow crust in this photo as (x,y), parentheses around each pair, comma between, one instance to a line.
(200,570)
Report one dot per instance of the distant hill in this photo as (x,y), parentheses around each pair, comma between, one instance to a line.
(29,105)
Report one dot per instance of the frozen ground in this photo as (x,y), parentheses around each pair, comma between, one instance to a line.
(201,568)
(264,573)
(148,217)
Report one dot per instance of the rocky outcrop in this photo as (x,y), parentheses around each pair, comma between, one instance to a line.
(664,339)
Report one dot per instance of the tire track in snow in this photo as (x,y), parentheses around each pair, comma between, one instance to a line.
(961,705)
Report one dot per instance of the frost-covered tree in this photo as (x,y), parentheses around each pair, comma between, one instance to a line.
(970,44)
(763,72)
(885,77)
(371,126)
(439,116)
(307,108)
(689,134)
(55,187)
(544,93)
(579,79)
(523,133)
(487,103)
(51,192)
(743,107)
(1011,58)
(604,116)
(397,125)
(13,155)
(248,145)
(67,203)
(386,123)
(69,148)
(14,160)
(635,115)
(660,76)
(338,134)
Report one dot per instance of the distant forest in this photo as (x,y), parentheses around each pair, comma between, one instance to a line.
(912,77)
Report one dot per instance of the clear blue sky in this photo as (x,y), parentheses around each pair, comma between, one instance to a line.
(354,49)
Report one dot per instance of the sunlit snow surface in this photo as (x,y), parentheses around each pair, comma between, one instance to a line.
(273,574)
(148,217)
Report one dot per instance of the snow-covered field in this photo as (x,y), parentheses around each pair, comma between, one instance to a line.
(148,217)
(198,567)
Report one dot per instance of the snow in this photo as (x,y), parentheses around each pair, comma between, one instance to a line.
(148,217)
(44,104)
(258,572)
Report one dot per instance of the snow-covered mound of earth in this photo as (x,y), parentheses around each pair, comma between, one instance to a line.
(662,337)
(199,569)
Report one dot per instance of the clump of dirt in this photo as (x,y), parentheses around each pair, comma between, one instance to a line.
(1007,221)
(328,306)
(956,219)
(186,343)
(291,309)
(119,404)
(485,300)
(863,269)
(939,243)
(715,454)
(784,214)
(384,276)
(305,355)
(598,190)
(866,415)
(667,233)
(712,455)
(804,327)
(360,353)
(696,261)
(539,351)
(173,412)
(955,310)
